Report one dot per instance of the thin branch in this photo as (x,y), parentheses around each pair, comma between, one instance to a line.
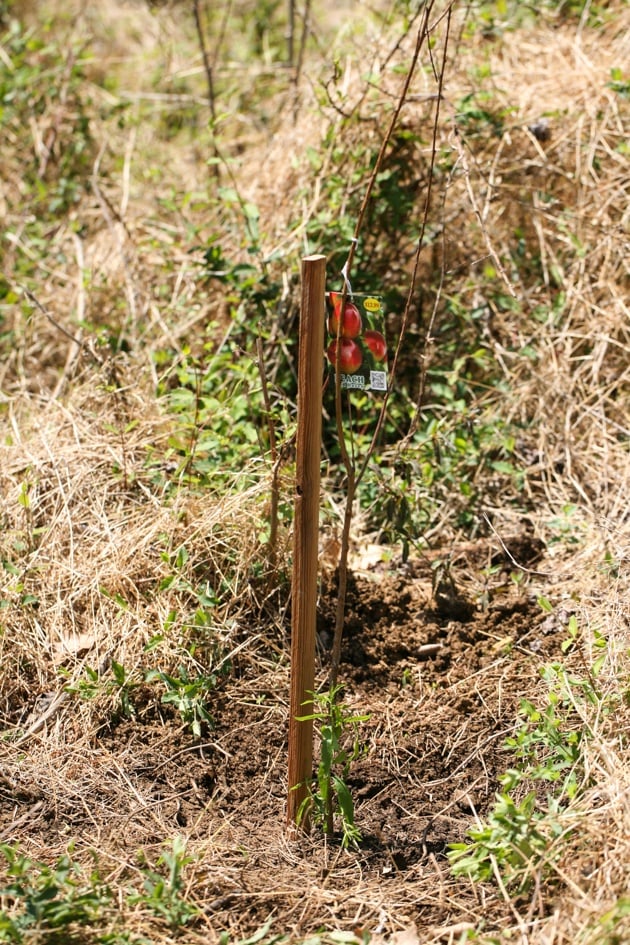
(473,200)
(64,331)
(207,65)
(509,554)
(414,275)
(275,459)
(209,70)
(352,479)
(303,39)
(291,34)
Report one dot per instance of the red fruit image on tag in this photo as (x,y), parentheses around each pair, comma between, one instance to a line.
(376,343)
(351,323)
(360,328)
(350,357)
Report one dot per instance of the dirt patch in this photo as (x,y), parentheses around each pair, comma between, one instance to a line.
(438,718)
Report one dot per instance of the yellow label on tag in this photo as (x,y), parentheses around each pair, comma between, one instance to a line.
(372,305)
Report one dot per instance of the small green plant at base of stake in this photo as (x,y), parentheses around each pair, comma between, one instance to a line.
(331,795)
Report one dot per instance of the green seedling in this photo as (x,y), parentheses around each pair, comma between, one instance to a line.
(163,895)
(119,682)
(44,901)
(187,695)
(549,749)
(338,729)
(509,841)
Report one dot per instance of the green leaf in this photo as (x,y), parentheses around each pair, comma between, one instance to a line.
(344,797)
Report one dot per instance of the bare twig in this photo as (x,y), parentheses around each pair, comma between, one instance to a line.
(461,150)
(207,65)
(301,50)
(290,33)
(352,477)
(53,321)
(275,459)
(414,278)
(509,554)
(209,70)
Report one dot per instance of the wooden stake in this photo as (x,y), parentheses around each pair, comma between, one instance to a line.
(306,532)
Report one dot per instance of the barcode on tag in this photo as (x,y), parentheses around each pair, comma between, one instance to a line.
(378,380)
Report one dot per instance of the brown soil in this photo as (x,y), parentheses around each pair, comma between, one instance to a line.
(433,753)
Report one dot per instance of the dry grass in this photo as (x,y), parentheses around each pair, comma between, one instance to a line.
(91,528)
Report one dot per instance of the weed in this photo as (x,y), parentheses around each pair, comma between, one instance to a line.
(122,938)
(164,896)
(259,936)
(405,493)
(334,937)
(48,900)
(119,683)
(125,685)
(619,83)
(509,842)
(43,84)
(216,402)
(475,118)
(16,590)
(565,528)
(187,695)
(611,928)
(177,580)
(545,748)
(339,748)
(549,748)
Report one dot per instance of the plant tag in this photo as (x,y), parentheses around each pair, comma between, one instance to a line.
(363,353)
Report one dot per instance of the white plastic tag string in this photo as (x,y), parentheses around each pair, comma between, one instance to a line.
(344,271)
